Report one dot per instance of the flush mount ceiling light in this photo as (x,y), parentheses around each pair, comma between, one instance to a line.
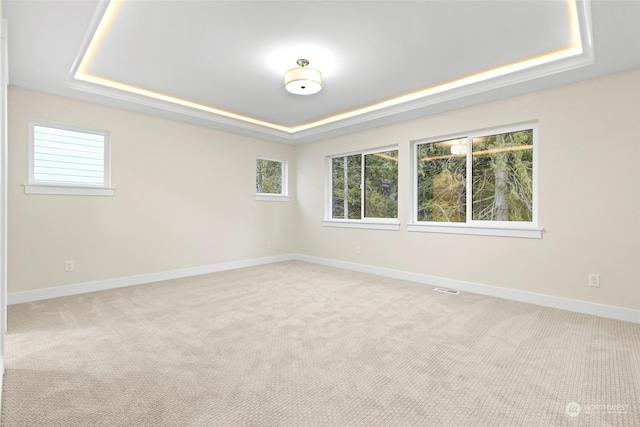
(303,81)
(576,54)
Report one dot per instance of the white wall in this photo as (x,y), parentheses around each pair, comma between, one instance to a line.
(184,198)
(589,198)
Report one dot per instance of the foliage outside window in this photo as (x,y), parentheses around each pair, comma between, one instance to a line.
(270,177)
(364,186)
(479,178)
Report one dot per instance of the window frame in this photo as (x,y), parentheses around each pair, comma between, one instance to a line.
(521,229)
(32,186)
(284,184)
(364,222)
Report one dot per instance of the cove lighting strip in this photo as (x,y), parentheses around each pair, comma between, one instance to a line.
(575,48)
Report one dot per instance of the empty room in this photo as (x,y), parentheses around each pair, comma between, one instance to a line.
(319,213)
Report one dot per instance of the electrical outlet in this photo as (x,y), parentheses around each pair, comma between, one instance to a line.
(69,266)
(594,280)
(358,251)
(269,244)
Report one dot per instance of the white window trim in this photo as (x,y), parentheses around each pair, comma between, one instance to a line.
(473,227)
(369,223)
(266,197)
(284,195)
(71,190)
(365,222)
(64,188)
(460,228)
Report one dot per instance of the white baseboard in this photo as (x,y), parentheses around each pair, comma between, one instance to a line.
(120,282)
(608,311)
(601,310)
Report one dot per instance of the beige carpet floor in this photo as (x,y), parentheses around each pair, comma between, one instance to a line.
(296,344)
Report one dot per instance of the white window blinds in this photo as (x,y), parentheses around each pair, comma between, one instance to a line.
(69,156)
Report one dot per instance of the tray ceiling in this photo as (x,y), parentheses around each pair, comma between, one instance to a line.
(222,63)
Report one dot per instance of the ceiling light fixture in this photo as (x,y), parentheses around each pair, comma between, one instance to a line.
(303,81)
(83,80)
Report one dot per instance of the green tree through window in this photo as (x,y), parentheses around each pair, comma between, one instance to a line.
(378,178)
(501,178)
(269,176)
(346,193)
(441,182)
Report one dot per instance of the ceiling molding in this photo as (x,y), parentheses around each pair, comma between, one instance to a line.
(579,54)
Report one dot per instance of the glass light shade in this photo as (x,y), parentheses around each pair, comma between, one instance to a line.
(303,81)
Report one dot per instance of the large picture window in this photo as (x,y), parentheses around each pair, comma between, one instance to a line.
(481,180)
(364,187)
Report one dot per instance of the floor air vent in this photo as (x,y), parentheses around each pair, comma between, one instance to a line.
(447,291)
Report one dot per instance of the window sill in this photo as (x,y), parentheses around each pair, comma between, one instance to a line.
(272,198)
(371,225)
(71,190)
(522,232)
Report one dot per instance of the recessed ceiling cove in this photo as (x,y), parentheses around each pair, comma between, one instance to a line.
(225,62)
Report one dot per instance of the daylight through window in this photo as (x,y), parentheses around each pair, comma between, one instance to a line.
(364,186)
(67,156)
(270,177)
(487,177)
(68,160)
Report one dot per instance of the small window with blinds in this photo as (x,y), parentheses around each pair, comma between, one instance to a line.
(68,160)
